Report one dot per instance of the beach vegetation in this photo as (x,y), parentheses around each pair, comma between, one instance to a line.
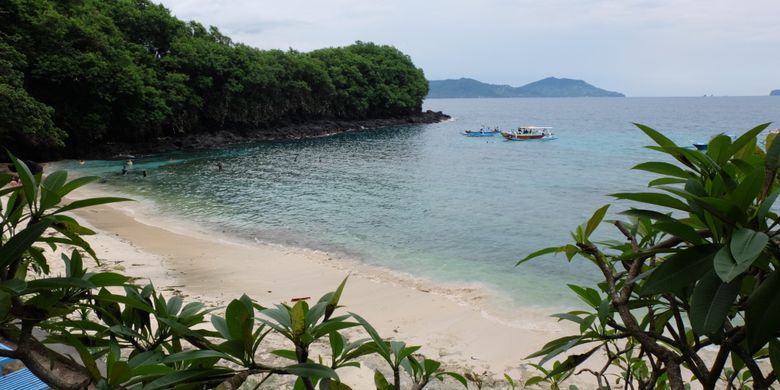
(690,289)
(123,334)
(77,73)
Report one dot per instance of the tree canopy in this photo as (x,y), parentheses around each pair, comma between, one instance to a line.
(79,72)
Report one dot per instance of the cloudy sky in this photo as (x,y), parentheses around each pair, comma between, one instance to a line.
(638,47)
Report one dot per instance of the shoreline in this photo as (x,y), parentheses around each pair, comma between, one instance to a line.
(467,328)
(203,140)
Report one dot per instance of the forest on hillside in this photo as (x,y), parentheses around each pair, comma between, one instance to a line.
(79,73)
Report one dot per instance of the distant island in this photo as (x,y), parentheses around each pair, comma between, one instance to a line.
(775,93)
(549,87)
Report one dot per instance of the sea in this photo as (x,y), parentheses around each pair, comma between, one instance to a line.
(425,200)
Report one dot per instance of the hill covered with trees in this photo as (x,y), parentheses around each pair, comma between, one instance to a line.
(549,87)
(77,74)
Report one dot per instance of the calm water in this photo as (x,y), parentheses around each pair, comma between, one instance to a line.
(426,200)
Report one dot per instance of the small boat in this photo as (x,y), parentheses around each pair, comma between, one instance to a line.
(528,133)
(481,133)
(701,145)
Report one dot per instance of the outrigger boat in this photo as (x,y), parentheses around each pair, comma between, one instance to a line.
(481,132)
(527,133)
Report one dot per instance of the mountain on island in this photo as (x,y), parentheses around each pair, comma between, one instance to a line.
(549,87)
(775,93)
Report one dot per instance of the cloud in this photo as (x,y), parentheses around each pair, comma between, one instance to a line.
(640,47)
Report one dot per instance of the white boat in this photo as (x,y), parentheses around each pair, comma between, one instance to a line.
(528,133)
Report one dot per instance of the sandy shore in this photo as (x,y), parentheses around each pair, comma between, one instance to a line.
(466,328)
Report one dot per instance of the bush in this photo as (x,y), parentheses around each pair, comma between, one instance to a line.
(693,289)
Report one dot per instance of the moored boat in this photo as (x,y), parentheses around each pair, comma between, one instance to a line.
(481,133)
(528,133)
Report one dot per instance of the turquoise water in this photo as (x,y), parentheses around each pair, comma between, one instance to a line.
(425,200)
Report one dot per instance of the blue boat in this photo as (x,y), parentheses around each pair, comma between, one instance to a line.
(481,133)
(701,145)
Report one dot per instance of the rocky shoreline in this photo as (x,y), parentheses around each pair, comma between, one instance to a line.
(222,138)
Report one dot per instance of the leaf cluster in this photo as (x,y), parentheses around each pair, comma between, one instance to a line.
(696,271)
(130,336)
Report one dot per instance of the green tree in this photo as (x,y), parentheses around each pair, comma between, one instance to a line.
(693,289)
(129,71)
(25,123)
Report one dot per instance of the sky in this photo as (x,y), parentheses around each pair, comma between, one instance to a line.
(637,47)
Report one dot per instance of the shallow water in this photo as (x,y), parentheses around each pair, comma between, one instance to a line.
(428,201)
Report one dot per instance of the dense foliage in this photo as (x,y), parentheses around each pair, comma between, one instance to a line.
(130,336)
(127,70)
(692,292)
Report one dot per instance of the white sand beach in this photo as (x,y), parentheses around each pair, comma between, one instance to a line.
(468,329)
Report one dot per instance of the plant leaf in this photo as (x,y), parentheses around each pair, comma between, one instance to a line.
(762,314)
(710,304)
(680,270)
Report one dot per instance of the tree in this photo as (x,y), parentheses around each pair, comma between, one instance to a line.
(693,289)
(144,340)
(129,71)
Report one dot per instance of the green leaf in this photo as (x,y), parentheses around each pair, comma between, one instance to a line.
(381,382)
(595,220)
(663,168)
(723,209)
(89,202)
(774,354)
(649,214)
(681,231)
(105,279)
(457,377)
(220,325)
(662,181)
(193,355)
(542,252)
(710,304)
(571,362)
(747,245)
(534,380)
(298,318)
(772,159)
(334,299)
(762,314)
(748,189)
(55,283)
(653,198)
(21,241)
(76,183)
(312,370)
(187,376)
(659,138)
(239,320)
(29,185)
(380,344)
(286,353)
(767,204)
(745,139)
(680,270)
(556,347)
(587,294)
(336,344)
(726,266)
(718,148)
